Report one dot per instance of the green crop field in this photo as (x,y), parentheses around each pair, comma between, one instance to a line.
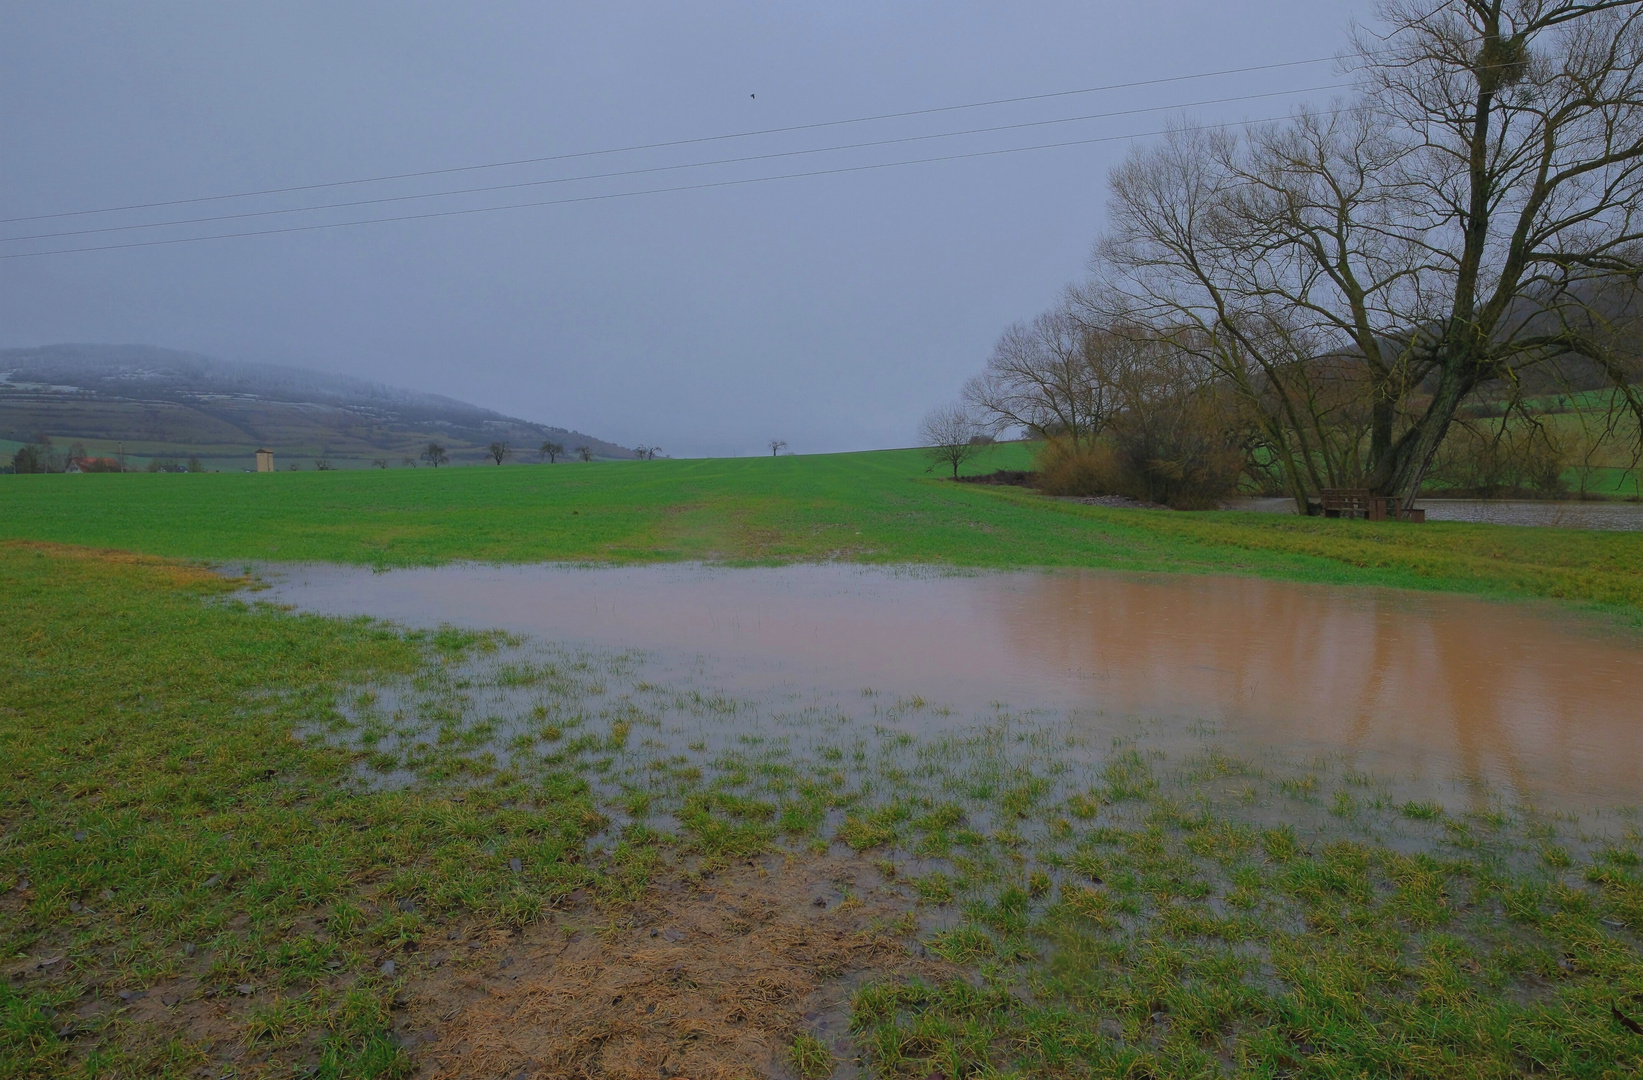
(880,507)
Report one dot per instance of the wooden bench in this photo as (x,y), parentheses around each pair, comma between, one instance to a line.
(1359,503)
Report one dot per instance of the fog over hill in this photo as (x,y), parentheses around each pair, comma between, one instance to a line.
(158,401)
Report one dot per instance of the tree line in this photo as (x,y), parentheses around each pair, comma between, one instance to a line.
(41,456)
(1360,293)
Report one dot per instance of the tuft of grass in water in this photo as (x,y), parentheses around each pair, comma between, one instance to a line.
(810,1057)
(1128,776)
(1422,811)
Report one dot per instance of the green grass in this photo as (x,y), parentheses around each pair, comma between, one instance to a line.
(154,801)
(186,805)
(880,507)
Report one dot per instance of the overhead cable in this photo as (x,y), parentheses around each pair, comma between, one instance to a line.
(675,142)
(662,168)
(622,194)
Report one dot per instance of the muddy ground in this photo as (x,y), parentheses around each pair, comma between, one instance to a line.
(710,975)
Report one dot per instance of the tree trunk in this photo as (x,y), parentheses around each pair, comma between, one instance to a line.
(1381,415)
(1402,468)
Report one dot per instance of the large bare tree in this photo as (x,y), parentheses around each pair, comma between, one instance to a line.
(1468,216)
(1045,378)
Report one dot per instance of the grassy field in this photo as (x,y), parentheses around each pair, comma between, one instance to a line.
(200,876)
(239,841)
(870,507)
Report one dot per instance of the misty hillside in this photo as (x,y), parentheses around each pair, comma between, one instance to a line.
(164,403)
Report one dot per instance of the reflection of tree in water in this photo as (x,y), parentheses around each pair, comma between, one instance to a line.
(1442,687)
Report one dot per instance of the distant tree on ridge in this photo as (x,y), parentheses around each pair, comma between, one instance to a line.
(949,436)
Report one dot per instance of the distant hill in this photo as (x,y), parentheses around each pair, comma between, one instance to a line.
(160,403)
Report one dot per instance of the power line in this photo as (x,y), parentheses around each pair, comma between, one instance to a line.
(677,142)
(664,168)
(624,194)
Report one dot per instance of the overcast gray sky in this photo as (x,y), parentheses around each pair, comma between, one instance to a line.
(831,311)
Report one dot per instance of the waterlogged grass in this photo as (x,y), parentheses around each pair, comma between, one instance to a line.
(163,830)
(1171,936)
(880,507)
(250,813)
(1114,913)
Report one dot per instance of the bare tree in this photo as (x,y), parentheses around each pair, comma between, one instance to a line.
(409,462)
(379,463)
(1447,230)
(1046,378)
(1174,441)
(435,455)
(777,446)
(950,436)
(551,451)
(584,453)
(499,451)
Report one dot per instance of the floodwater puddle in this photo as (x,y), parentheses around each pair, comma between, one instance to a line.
(1444,696)
(1549,513)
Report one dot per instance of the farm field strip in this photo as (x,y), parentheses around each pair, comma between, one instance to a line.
(880,507)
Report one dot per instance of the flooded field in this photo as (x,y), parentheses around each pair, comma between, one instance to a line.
(1446,697)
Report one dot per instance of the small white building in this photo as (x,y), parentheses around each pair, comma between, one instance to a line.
(265,461)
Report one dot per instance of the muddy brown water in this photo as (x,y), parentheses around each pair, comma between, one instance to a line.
(1446,695)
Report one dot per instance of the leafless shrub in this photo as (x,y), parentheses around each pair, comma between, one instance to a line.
(1063,469)
(1489,459)
(1174,435)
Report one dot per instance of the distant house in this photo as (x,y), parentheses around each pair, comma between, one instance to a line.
(265,461)
(93,464)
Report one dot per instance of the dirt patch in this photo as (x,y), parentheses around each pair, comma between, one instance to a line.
(709,975)
(174,571)
(702,979)
(1011,477)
